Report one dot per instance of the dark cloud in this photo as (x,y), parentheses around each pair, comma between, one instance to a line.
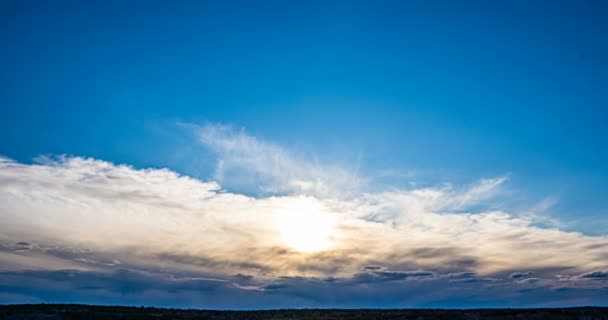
(16,246)
(444,260)
(243,277)
(467,277)
(382,288)
(461,275)
(330,262)
(401,275)
(372,268)
(480,280)
(519,275)
(275,286)
(433,252)
(75,256)
(596,275)
(120,286)
(81,256)
(528,280)
(376,273)
(211,263)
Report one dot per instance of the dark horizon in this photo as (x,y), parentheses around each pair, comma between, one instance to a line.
(51,304)
(67,312)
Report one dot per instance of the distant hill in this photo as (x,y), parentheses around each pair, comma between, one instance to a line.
(60,312)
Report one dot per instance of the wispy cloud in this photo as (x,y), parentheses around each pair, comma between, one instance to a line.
(250,162)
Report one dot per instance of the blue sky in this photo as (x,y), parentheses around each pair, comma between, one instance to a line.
(348,98)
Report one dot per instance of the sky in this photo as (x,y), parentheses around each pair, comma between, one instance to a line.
(298,154)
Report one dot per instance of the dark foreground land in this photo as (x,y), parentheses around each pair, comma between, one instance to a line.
(57,312)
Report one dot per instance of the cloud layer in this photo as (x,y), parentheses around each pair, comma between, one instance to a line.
(104,233)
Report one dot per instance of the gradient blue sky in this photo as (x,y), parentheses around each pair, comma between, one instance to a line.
(413,94)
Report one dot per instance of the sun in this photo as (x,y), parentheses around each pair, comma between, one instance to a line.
(305,226)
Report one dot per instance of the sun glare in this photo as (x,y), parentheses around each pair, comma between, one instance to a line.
(305,226)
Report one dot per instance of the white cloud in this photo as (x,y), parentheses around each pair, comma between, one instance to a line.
(246,161)
(483,190)
(91,214)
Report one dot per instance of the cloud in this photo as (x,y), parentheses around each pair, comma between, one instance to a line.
(519,275)
(132,287)
(461,275)
(247,162)
(99,219)
(529,280)
(595,275)
(381,274)
(484,189)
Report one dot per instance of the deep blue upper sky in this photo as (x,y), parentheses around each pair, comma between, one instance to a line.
(452,90)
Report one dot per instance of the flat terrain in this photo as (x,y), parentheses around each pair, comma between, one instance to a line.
(57,312)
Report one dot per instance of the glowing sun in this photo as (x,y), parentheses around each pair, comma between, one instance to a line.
(305,226)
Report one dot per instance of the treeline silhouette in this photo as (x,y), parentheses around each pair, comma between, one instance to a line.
(89,312)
